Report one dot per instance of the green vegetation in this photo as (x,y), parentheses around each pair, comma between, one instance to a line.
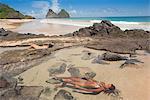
(7,12)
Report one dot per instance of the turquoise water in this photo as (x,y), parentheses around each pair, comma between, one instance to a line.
(125,19)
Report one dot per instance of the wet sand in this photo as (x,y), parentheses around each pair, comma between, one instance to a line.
(36,27)
(133,82)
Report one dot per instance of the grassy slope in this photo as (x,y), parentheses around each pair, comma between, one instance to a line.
(6,12)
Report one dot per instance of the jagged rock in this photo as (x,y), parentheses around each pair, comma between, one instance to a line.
(99,60)
(51,14)
(107,29)
(64,95)
(88,55)
(112,57)
(130,62)
(57,69)
(63,14)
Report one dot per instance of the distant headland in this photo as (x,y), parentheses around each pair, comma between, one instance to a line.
(7,12)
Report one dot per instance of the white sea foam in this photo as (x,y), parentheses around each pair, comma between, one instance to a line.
(86,23)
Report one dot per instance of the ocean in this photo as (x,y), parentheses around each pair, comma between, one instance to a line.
(120,19)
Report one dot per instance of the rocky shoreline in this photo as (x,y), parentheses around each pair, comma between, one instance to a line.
(101,36)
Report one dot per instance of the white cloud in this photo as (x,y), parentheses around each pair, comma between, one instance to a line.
(55,5)
(73,12)
(40,9)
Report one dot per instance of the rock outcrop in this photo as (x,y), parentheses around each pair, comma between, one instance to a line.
(9,35)
(7,12)
(107,29)
(107,36)
(61,14)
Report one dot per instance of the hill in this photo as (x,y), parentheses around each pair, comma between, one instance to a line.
(7,12)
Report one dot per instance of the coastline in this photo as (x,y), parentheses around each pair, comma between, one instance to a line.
(62,26)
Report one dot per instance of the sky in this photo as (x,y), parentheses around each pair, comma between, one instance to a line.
(82,8)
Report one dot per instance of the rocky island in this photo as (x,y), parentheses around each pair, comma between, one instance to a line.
(62,14)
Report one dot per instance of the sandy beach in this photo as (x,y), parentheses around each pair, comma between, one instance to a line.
(132,82)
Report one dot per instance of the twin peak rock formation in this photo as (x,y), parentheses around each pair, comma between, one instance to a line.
(61,14)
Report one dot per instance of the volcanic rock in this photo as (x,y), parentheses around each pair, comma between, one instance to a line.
(112,57)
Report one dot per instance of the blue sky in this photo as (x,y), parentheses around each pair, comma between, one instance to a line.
(82,8)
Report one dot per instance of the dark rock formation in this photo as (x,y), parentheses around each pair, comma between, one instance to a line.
(112,57)
(7,12)
(107,29)
(64,95)
(61,14)
(57,69)
(9,35)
